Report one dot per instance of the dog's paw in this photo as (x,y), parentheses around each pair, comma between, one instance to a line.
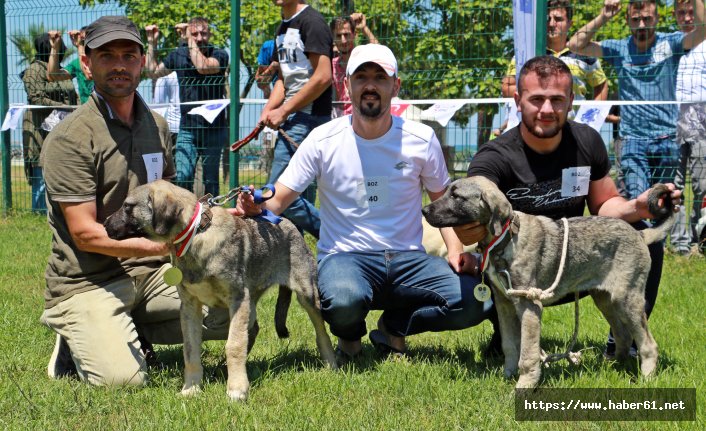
(190,391)
(527,382)
(238,395)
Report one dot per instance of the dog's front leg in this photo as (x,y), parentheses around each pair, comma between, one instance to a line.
(191,318)
(509,331)
(237,346)
(530,314)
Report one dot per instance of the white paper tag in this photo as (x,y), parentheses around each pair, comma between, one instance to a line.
(154,165)
(13,118)
(373,192)
(574,181)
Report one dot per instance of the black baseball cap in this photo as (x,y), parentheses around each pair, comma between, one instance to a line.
(109,28)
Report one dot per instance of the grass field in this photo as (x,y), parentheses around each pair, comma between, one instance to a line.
(444,385)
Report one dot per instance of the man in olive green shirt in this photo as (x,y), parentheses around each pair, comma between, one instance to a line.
(106,299)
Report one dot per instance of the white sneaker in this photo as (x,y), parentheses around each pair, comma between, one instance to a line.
(61,364)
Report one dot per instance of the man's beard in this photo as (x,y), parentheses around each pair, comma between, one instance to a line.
(369,111)
(544,133)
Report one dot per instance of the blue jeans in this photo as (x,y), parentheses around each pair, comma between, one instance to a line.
(645,162)
(418,292)
(302,211)
(39,203)
(206,143)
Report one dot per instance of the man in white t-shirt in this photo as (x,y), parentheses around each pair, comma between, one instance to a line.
(370,168)
(691,132)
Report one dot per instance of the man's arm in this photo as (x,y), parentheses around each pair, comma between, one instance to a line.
(604,200)
(581,42)
(320,80)
(90,236)
(282,199)
(54,70)
(274,101)
(152,69)
(204,65)
(459,260)
(699,33)
(361,25)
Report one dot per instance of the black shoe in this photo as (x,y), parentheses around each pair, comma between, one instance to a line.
(61,364)
(148,350)
(494,349)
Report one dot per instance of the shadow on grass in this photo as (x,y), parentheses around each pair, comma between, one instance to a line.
(471,359)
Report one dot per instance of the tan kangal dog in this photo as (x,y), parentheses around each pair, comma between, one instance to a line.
(229,262)
(604,256)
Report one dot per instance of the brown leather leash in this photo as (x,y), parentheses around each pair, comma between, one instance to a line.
(254,134)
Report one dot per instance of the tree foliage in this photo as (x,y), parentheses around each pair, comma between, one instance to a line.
(25,44)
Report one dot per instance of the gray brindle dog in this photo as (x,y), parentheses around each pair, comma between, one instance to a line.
(230,262)
(605,256)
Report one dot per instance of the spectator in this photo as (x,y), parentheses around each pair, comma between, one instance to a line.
(586,71)
(691,131)
(646,64)
(345,30)
(75,68)
(301,97)
(106,299)
(201,70)
(371,168)
(166,91)
(266,68)
(41,91)
(554,167)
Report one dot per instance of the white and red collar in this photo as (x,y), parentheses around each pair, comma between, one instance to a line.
(187,235)
(494,243)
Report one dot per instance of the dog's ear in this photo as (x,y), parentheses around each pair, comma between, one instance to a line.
(500,209)
(165,211)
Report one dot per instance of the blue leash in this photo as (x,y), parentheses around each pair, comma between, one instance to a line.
(260,197)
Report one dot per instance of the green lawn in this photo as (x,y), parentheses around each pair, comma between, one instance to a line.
(444,385)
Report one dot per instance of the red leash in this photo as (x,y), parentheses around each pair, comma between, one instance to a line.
(241,143)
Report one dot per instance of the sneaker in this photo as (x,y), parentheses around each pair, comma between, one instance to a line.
(150,356)
(494,349)
(61,364)
(609,352)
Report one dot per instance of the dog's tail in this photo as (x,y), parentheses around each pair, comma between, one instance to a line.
(284,298)
(665,217)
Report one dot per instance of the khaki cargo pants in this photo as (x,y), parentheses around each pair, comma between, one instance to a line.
(101,326)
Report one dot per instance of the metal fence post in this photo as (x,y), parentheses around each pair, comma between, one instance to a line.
(234,89)
(541,28)
(5,140)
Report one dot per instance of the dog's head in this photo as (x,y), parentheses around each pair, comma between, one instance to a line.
(158,211)
(470,200)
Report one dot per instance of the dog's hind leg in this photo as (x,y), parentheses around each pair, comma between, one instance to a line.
(323,342)
(237,346)
(530,314)
(611,311)
(191,318)
(635,320)
(510,333)
(284,298)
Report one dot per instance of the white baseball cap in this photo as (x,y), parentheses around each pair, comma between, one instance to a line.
(372,53)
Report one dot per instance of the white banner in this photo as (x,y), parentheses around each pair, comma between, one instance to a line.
(13,117)
(592,115)
(210,110)
(442,112)
(513,117)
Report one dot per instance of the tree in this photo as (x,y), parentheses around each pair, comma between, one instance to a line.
(25,44)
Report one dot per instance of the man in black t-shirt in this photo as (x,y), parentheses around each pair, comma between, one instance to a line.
(301,97)
(201,72)
(553,167)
